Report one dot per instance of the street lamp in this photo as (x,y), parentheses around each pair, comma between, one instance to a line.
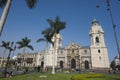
(79,63)
(53,67)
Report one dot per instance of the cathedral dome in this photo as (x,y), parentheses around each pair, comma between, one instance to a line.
(96,27)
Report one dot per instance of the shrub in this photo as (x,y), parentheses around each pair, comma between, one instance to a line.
(78,77)
(87,76)
(95,76)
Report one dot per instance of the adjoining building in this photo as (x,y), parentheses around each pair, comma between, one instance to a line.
(117,60)
(27,59)
(115,64)
(76,56)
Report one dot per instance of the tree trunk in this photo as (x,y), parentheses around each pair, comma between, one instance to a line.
(24,56)
(4,15)
(8,59)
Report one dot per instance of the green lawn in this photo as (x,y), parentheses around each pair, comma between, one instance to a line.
(43,76)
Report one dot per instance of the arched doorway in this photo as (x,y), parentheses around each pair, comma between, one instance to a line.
(42,64)
(73,63)
(61,64)
(86,64)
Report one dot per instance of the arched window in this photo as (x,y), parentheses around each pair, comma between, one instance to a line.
(97,40)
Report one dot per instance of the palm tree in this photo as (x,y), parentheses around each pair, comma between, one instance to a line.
(48,34)
(7,4)
(10,48)
(56,27)
(24,44)
(5,45)
(41,40)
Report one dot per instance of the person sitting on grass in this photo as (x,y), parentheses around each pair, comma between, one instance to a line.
(11,74)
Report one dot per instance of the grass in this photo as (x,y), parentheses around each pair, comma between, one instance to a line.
(40,76)
(47,76)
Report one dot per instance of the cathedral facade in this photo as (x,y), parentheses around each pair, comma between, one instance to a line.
(75,56)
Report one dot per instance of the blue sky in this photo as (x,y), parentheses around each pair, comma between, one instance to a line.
(78,15)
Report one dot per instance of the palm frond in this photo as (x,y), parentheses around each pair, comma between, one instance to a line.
(51,22)
(15,47)
(5,44)
(57,19)
(48,34)
(41,39)
(10,48)
(31,3)
(56,25)
(19,43)
(2,3)
(19,47)
(47,31)
(24,43)
(30,47)
(60,26)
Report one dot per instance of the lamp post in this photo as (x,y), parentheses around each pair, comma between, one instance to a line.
(113,26)
(79,60)
(45,59)
(53,67)
(54,52)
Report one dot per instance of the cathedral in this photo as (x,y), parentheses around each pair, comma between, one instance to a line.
(75,56)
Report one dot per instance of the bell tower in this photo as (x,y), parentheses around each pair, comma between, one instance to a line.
(53,51)
(99,53)
(57,39)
